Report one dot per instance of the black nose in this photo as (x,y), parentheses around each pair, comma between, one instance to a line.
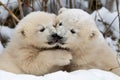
(56,37)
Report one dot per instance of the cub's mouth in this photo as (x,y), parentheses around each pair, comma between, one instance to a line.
(57,47)
(55,42)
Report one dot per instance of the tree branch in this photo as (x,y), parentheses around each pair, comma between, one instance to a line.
(10,12)
(117,6)
(20,8)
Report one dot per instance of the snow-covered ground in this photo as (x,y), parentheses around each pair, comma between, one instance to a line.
(92,74)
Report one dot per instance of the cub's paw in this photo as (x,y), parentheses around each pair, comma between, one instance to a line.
(64,60)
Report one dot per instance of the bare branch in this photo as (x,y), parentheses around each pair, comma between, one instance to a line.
(107,30)
(70,3)
(44,5)
(10,12)
(20,8)
(117,6)
(58,1)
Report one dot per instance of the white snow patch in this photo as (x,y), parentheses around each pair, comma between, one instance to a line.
(11,4)
(92,74)
(107,17)
(6,32)
(99,15)
(111,43)
(114,8)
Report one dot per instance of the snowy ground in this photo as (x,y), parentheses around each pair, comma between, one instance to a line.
(92,74)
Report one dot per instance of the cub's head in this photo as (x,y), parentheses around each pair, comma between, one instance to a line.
(77,28)
(37,30)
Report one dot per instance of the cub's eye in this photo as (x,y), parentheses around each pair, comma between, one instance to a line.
(72,31)
(60,24)
(42,29)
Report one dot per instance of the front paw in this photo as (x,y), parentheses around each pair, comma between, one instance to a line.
(64,60)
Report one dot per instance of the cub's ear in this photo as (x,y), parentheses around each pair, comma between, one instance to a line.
(62,10)
(21,32)
(93,35)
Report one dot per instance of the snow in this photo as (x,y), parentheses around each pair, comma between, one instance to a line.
(104,15)
(111,43)
(100,15)
(92,74)
(111,20)
(103,2)
(114,8)
(115,25)
(11,4)
(54,5)
(95,74)
(6,32)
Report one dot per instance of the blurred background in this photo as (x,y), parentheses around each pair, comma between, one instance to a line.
(104,12)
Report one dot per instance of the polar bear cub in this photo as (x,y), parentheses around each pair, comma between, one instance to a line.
(33,48)
(89,48)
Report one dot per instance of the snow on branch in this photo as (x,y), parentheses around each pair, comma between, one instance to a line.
(10,12)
